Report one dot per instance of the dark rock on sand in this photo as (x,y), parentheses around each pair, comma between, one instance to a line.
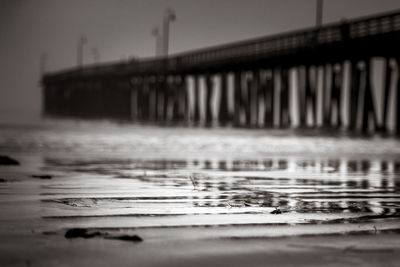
(47,177)
(6,160)
(85,233)
(133,238)
(2,180)
(276,211)
(80,232)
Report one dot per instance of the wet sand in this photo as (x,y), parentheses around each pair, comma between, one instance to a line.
(30,240)
(213,218)
(106,195)
(36,249)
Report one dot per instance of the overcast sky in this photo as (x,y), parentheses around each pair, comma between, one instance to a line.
(122,28)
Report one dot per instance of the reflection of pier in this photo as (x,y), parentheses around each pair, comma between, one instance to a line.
(294,184)
(318,77)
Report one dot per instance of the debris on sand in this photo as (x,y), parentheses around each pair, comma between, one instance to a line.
(80,232)
(2,180)
(276,211)
(45,176)
(133,238)
(85,233)
(192,179)
(6,160)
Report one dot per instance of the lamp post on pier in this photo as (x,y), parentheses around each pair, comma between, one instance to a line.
(169,16)
(81,42)
(156,33)
(319,13)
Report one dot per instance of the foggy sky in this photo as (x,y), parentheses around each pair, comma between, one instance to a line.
(122,29)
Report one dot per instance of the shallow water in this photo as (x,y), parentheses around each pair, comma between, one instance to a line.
(120,177)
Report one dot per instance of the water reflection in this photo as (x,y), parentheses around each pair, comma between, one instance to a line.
(383,168)
(322,186)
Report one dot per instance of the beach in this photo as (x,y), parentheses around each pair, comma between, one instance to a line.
(102,193)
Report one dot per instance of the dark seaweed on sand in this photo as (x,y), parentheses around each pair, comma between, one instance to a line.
(85,233)
(44,176)
(6,160)
(80,232)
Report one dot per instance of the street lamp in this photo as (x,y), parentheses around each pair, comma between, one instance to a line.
(81,42)
(169,16)
(318,18)
(156,33)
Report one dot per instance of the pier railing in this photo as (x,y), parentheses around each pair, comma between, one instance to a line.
(258,48)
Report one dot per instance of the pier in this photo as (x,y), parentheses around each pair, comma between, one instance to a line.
(319,77)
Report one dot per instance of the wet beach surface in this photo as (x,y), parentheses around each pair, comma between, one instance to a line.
(99,193)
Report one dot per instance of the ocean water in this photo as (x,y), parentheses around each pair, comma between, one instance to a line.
(199,182)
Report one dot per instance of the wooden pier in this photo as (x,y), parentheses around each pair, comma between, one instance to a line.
(316,77)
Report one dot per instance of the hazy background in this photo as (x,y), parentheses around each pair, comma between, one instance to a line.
(121,29)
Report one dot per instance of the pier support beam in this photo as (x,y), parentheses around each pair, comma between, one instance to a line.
(169,99)
(369,110)
(246,97)
(389,73)
(336,93)
(268,89)
(311,96)
(284,120)
(254,89)
(160,108)
(143,99)
(176,101)
(134,98)
(152,85)
(209,85)
(301,94)
(354,94)
(182,100)
(334,101)
(175,87)
(196,98)
(397,108)
(223,113)
(185,93)
(237,95)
